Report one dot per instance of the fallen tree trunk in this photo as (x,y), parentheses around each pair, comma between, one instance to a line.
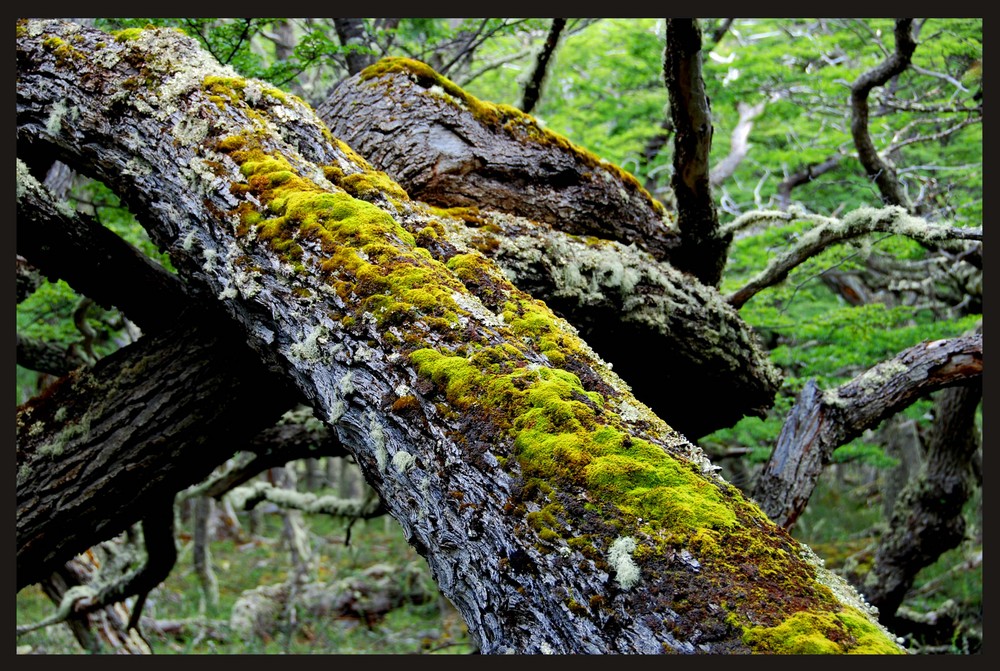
(694,361)
(555,511)
(447,148)
(684,351)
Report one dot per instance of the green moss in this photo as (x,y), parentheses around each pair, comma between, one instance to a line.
(63,51)
(806,633)
(127,35)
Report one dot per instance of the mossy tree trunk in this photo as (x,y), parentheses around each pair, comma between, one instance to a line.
(683,351)
(555,510)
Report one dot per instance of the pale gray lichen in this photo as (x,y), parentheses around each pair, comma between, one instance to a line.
(620,558)
(403,461)
(377,435)
(347,384)
(337,410)
(309,348)
(53,124)
(209,255)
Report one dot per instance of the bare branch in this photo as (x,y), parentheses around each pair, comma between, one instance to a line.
(892,220)
(821,421)
(703,247)
(875,166)
(804,176)
(739,146)
(533,89)
(933,137)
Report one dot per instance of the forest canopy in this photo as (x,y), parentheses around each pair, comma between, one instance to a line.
(751,245)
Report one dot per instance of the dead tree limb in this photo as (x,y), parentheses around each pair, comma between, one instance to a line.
(822,421)
(863,221)
(449,149)
(617,294)
(739,143)
(927,518)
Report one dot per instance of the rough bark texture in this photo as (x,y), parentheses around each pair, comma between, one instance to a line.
(927,519)
(107,445)
(708,370)
(449,149)
(704,246)
(610,290)
(554,509)
(93,260)
(46,357)
(821,421)
(878,169)
(28,279)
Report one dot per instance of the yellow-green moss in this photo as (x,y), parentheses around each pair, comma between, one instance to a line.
(127,34)
(806,633)
(62,50)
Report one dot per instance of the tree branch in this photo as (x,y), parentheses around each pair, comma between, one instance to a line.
(892,220)
(880,171)
(739,146)
(821,421)
(533,89)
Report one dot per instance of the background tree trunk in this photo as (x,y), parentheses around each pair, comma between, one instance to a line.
(703,247)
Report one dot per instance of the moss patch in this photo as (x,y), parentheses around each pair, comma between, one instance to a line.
(821,634)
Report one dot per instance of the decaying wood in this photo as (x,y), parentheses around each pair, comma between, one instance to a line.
(463,410)
(821,421)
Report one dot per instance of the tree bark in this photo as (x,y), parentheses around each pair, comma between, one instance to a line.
(709,370)
(555,510)
(533,89)
(804,176)
(821,421)
(354,37)
(449,149)
(109,444)
(703,248)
